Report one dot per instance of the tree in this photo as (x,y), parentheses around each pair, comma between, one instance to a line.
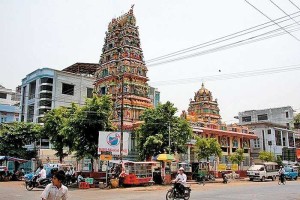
(266,156)
(206,147)
(297,121)
(159,125)
(84,126)
(15,136)
(237,157)
(54,123)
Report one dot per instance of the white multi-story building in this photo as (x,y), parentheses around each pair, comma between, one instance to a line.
(272,126)
(45,89)
(282,115)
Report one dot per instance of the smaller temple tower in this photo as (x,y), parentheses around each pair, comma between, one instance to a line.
(203,108)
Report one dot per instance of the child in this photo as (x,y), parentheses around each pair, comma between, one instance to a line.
(56,190)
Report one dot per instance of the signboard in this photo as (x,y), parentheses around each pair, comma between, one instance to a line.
(105,157)
(231,167)
(110,141)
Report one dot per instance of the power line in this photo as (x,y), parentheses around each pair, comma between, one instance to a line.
(227,46)
(230,76)
(222,39)
(294,4)
(272,20)
(284,11)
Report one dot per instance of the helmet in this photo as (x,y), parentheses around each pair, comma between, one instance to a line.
(181,168)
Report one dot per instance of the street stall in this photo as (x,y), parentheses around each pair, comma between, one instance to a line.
(166,160)
(139,173)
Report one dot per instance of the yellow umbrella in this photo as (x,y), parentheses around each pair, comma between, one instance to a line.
(165,157)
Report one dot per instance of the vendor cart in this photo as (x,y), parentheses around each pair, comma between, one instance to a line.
(139,173)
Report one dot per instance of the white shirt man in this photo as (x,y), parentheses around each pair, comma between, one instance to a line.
(181,177)
(42,173)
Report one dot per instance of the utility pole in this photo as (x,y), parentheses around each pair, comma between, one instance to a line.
(169,138)
(122,107)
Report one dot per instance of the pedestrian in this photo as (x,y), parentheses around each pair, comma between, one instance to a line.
(56,190)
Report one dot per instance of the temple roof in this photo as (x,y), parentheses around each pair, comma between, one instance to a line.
(203,90)
(82,68)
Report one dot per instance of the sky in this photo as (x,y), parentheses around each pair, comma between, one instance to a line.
(58,33)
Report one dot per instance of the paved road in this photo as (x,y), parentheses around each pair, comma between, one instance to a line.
(217,191)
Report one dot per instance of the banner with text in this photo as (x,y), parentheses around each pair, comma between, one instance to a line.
(110,141)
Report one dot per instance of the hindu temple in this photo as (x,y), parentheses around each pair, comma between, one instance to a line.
(122,64)
(204,116)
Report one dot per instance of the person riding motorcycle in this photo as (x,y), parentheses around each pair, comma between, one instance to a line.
(225,179)
(281,173)
(41,174)
(180,180)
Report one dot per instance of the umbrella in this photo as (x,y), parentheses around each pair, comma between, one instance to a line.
(165,157)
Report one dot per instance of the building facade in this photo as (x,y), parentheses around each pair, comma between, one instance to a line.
(154,95)
(273,129)
(282,116)
(9,109)
(46,89)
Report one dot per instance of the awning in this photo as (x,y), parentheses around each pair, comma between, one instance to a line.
(9,158)
(165,157)
(298,153)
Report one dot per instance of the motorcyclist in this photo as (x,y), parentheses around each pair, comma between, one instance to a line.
(281,173)
(225,179)
(42,174)
(180,180)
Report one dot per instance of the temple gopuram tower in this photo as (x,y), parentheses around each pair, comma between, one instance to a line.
(203,108)
(122,63)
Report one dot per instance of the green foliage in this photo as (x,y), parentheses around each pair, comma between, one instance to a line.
(279,161)
(15,136)
(81,129)
(153,135)
(296,121)
(54,122)
(266,156)
(237,157)
(206,147)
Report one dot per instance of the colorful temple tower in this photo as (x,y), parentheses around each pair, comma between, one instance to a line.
(122,63)
(204,117)
(203,108)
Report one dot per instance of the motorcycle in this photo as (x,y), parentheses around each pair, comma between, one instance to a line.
(225,178)
(174,194)
(33,183)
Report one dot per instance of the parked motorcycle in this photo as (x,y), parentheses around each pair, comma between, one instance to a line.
(174,194)
(33,183)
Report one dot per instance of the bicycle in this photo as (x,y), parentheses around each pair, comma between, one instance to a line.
(282,180)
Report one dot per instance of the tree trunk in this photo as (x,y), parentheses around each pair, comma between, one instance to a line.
(92,161)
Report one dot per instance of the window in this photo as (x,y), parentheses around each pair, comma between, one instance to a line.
(46,87)
(67,89)
(89,92)
(46,80)
(278,137)
(246,119)
(287,114)
(103,90)
(3,95)
(262,117)
(269,131)
(256,143)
